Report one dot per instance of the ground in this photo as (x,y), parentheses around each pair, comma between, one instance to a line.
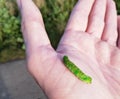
(16,82)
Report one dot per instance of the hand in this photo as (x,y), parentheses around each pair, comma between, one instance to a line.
(90,41)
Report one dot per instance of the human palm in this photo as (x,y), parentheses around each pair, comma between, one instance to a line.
(89,43)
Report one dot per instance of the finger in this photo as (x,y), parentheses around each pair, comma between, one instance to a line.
(110,30)
(32,25)
(96,20)
(118,32)
(79,16)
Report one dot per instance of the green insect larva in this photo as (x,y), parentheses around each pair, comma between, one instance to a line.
(76,71)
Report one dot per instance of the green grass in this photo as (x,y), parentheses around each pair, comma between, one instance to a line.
(118,5)
(55,14)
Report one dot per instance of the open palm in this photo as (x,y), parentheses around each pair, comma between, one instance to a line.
(90,41)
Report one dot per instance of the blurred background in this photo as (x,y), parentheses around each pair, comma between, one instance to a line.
(55,14)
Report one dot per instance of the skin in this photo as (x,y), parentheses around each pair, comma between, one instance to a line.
(90,40)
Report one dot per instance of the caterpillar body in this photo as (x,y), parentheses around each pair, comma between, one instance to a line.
(76,71)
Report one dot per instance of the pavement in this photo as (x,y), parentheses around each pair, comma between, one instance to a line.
(16,82)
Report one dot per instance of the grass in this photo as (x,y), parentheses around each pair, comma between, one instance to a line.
(55,14)
(118,6)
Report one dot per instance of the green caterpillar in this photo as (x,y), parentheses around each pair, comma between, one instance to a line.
(76,71)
